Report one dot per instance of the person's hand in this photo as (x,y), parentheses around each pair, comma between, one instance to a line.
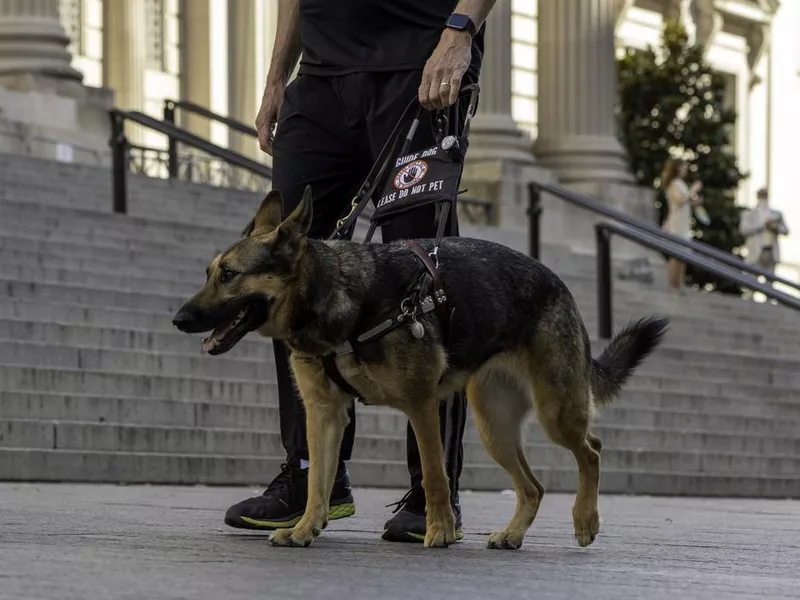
(697,201)
(267,116)
(441,77)
(772,225)
(696,187)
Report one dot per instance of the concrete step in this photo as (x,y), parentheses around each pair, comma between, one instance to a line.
(637,410)
(622,447)
(25,464)
(183,282)
(82,381)
(191,362)
(81,335)
(167,303)
(135,362)
(705,384)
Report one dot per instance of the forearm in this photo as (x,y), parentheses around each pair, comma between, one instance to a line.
(477,10)
(286,49)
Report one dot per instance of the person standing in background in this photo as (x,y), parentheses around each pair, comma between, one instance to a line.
(762,226)
(680,199)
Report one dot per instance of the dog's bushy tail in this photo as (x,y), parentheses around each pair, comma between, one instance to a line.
(626,351)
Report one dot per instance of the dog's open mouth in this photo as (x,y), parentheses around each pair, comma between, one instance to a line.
(227,335)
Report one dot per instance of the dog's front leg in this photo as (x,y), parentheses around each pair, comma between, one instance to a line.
(440,529)
(326,419)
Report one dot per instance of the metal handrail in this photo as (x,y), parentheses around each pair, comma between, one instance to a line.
(603,232)
(119,145)
(188,106)
(592,205)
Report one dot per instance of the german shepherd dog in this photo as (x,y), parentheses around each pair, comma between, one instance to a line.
(515,340)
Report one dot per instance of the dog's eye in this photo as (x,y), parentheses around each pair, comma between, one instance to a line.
(227,276)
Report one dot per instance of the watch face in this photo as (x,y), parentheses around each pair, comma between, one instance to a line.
(457,21)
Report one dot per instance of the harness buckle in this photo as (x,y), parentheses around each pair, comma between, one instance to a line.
(435,256)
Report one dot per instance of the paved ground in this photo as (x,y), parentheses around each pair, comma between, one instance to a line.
(157,543)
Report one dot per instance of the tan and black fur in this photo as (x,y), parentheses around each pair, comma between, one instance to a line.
(516,342)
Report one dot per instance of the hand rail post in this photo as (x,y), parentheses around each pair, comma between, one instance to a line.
(534,218)
(604,308)
(172,147)
(119,164)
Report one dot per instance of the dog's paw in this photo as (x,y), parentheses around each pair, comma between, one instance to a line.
(294,538)
(439,535)
(505,540)
(586,528)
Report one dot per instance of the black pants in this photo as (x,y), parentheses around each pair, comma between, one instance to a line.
(330,132)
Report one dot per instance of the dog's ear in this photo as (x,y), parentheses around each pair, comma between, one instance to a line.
(268,216)
(299,222)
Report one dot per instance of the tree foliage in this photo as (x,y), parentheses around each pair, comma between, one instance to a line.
(672,104)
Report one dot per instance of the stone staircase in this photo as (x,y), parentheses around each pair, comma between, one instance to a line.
(96,384)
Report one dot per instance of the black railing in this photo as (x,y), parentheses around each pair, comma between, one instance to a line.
(126,155)
(697,254)
(170,112)
(599,208)
(603,232)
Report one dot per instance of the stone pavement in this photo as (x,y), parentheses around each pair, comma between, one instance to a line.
(91,542)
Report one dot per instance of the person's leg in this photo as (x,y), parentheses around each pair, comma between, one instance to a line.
(389,95)
(314,145)
(673,273)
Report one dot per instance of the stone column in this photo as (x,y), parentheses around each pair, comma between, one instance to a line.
(125,55)
(125,51)
(41,95)
(242,94)
(494,133)
(32,40)
(577,92)
(500,157)
(196,62)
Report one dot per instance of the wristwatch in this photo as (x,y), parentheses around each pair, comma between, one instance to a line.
(461,22)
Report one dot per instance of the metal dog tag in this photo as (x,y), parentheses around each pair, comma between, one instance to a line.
(417,330)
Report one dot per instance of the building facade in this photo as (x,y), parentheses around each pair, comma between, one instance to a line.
(549,84)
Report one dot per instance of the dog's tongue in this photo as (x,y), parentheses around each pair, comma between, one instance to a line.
(216,336)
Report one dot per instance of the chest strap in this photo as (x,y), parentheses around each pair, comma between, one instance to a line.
(437,300)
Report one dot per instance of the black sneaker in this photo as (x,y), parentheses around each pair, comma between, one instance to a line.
(283,502)
(408,523)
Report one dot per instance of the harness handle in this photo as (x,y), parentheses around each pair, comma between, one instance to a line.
(372,180)
(345,225)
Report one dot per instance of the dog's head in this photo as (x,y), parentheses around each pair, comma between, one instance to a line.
(247,284)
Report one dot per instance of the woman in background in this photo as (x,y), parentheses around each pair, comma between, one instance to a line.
(680,199)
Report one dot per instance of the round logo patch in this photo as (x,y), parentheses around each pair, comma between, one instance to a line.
(411,174)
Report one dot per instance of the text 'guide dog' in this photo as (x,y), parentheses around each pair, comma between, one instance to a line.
(514,339)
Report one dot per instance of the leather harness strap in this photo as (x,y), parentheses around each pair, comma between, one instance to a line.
(437,301)
(332,371)
(439,297)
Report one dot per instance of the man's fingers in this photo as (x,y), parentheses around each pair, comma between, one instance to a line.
(455,87)
(439,90)
(425,85)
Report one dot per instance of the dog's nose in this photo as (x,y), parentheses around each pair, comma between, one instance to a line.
(184,318)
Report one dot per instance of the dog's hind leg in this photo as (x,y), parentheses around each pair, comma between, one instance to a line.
(564,412)
(326,419)
(500,405)
(440,528)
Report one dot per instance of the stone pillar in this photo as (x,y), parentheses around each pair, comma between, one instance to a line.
(41,95)
(500,157)
(32,40)
(242,94)
(494,133)
(196,62)
(125,51)
(577,92)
